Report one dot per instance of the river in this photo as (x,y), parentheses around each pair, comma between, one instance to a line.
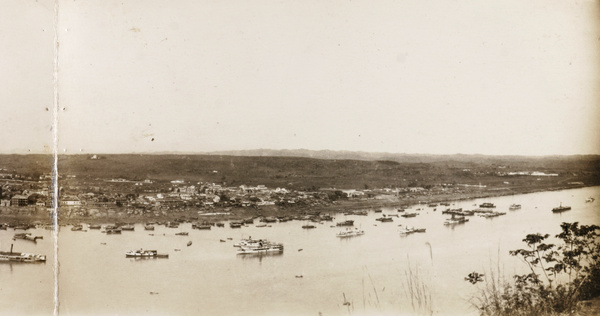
(381,272)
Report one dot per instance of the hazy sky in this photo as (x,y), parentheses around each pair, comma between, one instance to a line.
(26,76)
(491,77)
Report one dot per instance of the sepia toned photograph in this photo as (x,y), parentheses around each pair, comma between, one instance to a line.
(299,157)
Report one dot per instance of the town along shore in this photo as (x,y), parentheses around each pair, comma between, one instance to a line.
(105,215)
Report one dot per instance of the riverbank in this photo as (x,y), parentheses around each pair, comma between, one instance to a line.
(216,214)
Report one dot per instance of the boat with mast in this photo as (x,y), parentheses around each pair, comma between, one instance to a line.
(10,256)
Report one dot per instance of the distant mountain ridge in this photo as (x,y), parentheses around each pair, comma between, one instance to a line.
(397,157)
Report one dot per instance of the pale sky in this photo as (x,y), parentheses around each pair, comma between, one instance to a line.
(492,77)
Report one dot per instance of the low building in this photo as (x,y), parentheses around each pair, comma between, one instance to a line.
(70,201)
(19,200)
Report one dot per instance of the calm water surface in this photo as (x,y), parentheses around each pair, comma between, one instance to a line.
(372,272)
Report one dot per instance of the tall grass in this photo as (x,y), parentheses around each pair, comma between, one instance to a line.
(415,291)
(418,292)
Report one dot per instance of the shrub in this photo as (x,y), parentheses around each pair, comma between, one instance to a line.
(559,277)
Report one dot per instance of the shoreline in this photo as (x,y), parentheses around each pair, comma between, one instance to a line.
(238,213)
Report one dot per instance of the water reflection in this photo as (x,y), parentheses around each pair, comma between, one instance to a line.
(138,259)
(259,256)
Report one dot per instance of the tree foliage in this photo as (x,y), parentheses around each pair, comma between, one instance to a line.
(559,275)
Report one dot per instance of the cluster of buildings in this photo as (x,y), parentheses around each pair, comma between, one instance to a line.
(161,198)
(78,197)
(25,194)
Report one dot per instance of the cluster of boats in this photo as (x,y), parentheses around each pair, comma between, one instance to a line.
(483,212)
(459,212)
(5,226)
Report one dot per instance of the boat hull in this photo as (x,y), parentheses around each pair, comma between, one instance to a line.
(21,257)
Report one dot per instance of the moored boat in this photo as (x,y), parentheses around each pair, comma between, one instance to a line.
(145,254)
(561,208)
(513,207)
(27,236)
(269,219)
(409,215)
(492,214)
(235,224)
(345,223)
(487,205)
(111,230)
(128,227)
(456,220)
(246,241)
(350,233)
(11,256)
(260,247)
(409,230)
(201,226)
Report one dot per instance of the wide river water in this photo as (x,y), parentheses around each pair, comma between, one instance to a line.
(381,272)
